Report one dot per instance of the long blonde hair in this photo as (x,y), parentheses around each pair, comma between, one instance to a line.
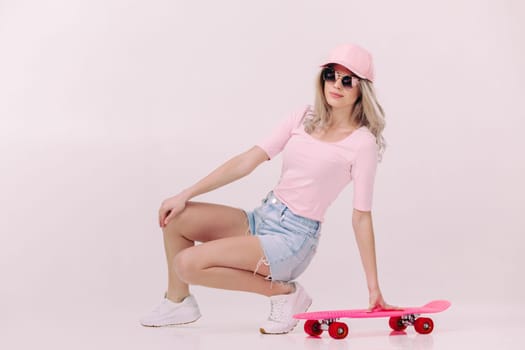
(366,112)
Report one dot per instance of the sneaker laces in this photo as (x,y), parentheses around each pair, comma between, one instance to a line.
(277,309)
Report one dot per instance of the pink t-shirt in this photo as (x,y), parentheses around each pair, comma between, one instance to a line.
(314,172)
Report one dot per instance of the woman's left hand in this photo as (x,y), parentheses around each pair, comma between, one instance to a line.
(376,302)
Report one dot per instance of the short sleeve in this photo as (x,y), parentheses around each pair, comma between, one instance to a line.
(274,143)
(363,174)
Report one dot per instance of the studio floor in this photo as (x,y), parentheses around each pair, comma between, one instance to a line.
(461,327)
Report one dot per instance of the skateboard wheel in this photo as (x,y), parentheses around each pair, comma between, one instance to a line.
(313,328)
(396,324)
(338,330)
(424,325)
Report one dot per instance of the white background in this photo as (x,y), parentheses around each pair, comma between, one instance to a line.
(108,107)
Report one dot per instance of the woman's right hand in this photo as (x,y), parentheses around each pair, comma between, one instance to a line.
(170,208)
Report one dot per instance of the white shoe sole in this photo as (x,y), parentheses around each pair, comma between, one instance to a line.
(169,324)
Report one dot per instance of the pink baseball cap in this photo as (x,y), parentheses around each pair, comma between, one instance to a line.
(353,57)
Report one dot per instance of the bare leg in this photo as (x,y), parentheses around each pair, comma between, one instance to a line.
(228,263)
(206,222)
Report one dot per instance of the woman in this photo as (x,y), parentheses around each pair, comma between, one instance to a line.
(324,148)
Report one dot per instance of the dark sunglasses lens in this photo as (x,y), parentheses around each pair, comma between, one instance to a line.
(346,81)
(328,74)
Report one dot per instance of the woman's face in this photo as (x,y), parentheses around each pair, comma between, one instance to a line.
(337,95)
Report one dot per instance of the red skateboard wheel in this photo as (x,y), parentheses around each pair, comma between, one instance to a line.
(396,324)
(338,330)
(424,325)
(313,328)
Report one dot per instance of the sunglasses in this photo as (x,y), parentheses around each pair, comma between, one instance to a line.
(331,75)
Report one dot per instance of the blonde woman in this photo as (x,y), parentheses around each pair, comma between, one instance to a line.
(265,250)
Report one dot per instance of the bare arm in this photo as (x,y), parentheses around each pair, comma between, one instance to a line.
(233,169)
(364,234)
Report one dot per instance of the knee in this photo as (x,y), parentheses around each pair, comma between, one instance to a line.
(181,221)
(186,266)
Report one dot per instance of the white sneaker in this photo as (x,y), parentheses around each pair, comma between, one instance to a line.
(283,307)
(169,313)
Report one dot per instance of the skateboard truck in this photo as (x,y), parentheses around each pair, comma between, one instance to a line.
(408,320)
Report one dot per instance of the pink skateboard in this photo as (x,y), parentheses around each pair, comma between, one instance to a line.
(317,322)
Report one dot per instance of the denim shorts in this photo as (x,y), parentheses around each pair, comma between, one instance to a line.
(289,241)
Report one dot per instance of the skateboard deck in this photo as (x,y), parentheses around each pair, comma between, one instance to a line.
(400,319)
